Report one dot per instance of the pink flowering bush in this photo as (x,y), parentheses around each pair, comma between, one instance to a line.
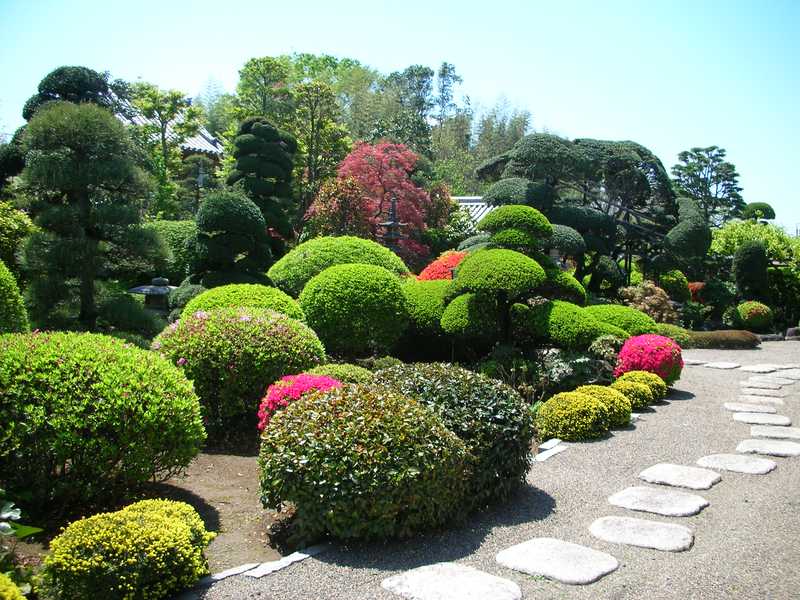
(291,388)
(654,353)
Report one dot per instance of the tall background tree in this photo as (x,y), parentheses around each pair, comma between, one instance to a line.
(704,175)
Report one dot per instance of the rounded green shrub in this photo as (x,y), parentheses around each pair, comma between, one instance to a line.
(425,302)
(479,241)
(676,285)
(657,385)
(9,590)
(572,416)
(344,372)
(618,405)
(498,271)
(356,309)
(15,226)
(561,285)
(151,549)
(516,190)
(682,336)
(758,210)
(490,417)
(472,317)
(233,354)
(635,322)
(88,418)
(750,269)
(362,462)
(567,240)
(13,317)
(239,295)
(753,316)
(564,324)
(516,216)
(638,394)
(293,271)
(122,312)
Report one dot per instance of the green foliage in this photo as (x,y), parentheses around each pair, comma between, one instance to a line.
(296,268)
(472,317)
(121,311)
(784,292)
(718,295)
(563,324)
(758,210)
(691,237)
(151,549)
(682,336)
(704,175)
(498,272)
(233,354)
(344,372)
(638,394)
(516,190)
(572,416)
(693,315)
(490,418)
(474,242)
(70,84)
(15,226)
(750,264)
(651,380)
(425,303)
(356,309)
(515,216)
(567,240)
(754,316)
(362,462)
(676,285)
(731,236)
(560,285)
(88,419)
(179,237)
(13,317)
(635,322)
(246,295)
(583,219)
(726,339)
(618,405)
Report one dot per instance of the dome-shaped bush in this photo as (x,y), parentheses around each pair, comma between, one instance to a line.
(516,190)
(233,354)
(442,267)
(13,317)
(561,285)
(676,285)
(288,389)
(293,271)
(638,394)
(618,405)
(635,322)
(655,384)
(238,295)
(490,417)
(425,302)
(758,210)
(88,418)
(753,316)
(654,353)
(498,271)
(9,590)
(683,337)
(472,316)
(516,216)
(564,324)
(572,416)
(344,372)
(362,462)
(355,309)
(151,549)
(567,240)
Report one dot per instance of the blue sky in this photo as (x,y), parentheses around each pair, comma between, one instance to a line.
(669,74)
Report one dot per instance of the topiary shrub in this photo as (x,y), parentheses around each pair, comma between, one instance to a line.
(179,236)
(750,265)
(676,285)
(753,316)
(726,339)
(425,303)
(515,227)
(618,405)
(479,241)
(496,272)
(758,210)
(355,309)
(13,317)
(654,353)
(656,384)
(344,372)
(151,549)
(233,354)
(516,190)
(238,295)
(9,590)
(635,322)
(563,324)
(572,416)
(490,417)
(717,294)
(293,271)
(87,419)
(288,389)
(567,240)
(472,317)
(442,267)
(650,299)
(683,337)
(362,462)
(15,226)
(638,394)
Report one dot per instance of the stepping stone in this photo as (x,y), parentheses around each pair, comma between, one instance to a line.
(670,503)
(760,368)
(680,476)
(764,385)
(645,534)
(756,391)
(749,408)
(693,361)
(769,447)
(555,559)
(788,366)
(761,419)
(451,581)
(770,431)
(760,400)
(772,380)
(721,365)
(738,463)
(793,374)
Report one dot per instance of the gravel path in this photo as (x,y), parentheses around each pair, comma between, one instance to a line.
(746,542)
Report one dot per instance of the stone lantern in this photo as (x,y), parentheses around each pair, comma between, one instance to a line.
(155,294)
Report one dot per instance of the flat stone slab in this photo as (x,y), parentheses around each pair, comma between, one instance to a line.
(694,362)
(738,463)
(680,476)
(555,559)
(770,393)
(670,503)
(764,385)
(761,419)
(551,443)
(769,447)
(788,366)
(645,534)
(451,581)
(772,379)
(751,408)
(543,456)
(773,432)
(749,399)
(722,365)
(793,374)
(759,368)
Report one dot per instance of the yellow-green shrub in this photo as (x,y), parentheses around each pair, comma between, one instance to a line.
(572,416)
(618,405)
(638,394)
(651,380)
(8,590)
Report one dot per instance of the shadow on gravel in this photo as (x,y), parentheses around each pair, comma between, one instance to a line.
(680,395)
(526,505)
(207,512)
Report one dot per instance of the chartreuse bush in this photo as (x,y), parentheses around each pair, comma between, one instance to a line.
(497,272)
(490,417)
(638,394)
(13,317)
(753,316)
(618,405)
(87,418)
(425,303)
(362,462)
(676,285)
(233,354)
(682,336)
(572,416)
(655,383)
(295,269)
(344,372)
(635,322)
(238,295)
(9,590)
(151,549)
(472,317)
(355,309)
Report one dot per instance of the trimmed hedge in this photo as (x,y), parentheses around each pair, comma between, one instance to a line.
(13,318)
(498,271)
(560,285)
(293,271)
(344,372)
(365,462)
(472,317)
(87,418)
(635,322)
(682,336)
(656,385)
(516,216)
(638,394)
(618,405)
(490,417)
(567,240)
(564,324)
(754,316)
(425,303)
(572,416)
(750,269)
(238,295)
(724,339)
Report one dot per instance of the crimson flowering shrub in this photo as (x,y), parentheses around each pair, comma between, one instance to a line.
(442,267)
(288,389)
(695,288)
(654,353)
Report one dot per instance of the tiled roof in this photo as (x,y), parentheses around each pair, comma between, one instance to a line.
(475,206)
